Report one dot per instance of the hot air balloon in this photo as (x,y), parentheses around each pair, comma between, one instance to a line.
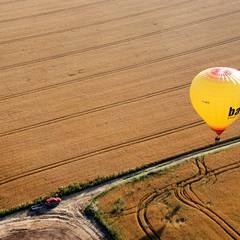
(215,95)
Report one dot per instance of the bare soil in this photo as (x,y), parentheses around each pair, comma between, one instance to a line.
(65,222)
(198,199)
(94,88)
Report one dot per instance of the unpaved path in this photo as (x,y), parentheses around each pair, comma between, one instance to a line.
(67,221)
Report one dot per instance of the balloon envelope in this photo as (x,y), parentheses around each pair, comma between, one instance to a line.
(215,95)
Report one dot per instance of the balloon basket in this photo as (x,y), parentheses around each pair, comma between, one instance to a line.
(217,139)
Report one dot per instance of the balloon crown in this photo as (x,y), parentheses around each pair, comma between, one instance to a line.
(218,72)
(227,74)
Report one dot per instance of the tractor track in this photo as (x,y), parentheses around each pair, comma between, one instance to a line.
(99,151)
(11,1)
(141,213)
(53,12)
(91,24)
(93,110)
(121,69)
(183,192)
(110,44)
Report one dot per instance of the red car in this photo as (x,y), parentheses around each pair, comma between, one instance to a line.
(52,202)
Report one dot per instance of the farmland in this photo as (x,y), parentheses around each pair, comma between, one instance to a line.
(94,88)
(197,199)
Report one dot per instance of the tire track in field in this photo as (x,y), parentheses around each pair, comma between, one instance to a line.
(182,195)
(111,44)
(224,169)
(11,1)
(141,213)
(53,12)
(93,110)
(93,24)
(122,69)
(100,151)
(183,192)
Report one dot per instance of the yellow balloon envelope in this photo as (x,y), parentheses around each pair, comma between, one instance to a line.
(215,95)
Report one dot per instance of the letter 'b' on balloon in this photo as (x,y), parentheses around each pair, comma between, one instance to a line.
(215,95)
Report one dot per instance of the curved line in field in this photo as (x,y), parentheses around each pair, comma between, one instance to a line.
(154,233)
(182,196)
(181,193)
(193,192)
(143,222)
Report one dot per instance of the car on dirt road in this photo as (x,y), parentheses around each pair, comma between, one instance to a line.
(48,203)
(52,202)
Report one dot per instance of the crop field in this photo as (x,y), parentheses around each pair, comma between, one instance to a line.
(198,199)
(92,88)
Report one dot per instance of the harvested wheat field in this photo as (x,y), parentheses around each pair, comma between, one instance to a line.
(92,88)
(197,199)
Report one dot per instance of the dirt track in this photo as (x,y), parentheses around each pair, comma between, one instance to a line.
(93,88)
